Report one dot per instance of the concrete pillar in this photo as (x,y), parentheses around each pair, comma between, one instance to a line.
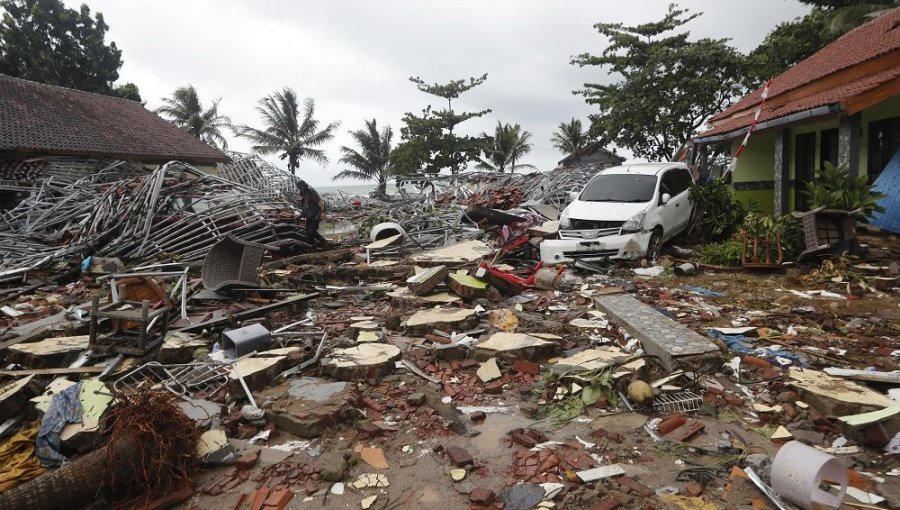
(782,173)
(849,130)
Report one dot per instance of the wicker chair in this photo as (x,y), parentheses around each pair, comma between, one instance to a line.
(232,263)
(828,231)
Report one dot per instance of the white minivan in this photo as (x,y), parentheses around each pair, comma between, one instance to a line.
(625,213)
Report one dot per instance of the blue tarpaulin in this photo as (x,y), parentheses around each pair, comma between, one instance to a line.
(741,345)
(65,408)
(888,182)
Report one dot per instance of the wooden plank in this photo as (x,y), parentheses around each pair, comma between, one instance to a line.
(52,371)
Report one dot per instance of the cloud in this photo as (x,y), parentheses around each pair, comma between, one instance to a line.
(355,57)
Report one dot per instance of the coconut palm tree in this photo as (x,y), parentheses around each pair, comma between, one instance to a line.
(288,131)
(372,161)
(185,110)
(571,139)
(508,144)
(846,17)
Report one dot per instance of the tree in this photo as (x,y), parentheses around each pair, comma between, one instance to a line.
(787,44)
(285,132)
(508,144)
(845,15)
(572,140)
(669,85)
(43,41)
(185,110)
(372,161)
(429,142)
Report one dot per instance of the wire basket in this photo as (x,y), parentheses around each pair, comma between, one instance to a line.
(679,402)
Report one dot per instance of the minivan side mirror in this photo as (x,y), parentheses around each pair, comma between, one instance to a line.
(573,195)
(665,198)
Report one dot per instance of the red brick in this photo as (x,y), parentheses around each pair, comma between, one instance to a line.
(481,496)
(607,503)
(526,367)
(279,499)
(459,456)
(635,486)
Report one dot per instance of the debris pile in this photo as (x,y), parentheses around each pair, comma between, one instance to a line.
(437,365)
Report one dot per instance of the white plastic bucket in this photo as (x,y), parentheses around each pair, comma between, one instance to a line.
(797,472)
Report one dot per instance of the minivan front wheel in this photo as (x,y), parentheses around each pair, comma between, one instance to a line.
(654,246)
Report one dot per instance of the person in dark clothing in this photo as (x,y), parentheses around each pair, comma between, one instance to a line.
(313,208)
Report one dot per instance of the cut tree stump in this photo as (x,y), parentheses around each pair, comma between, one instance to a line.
(467,287)
(426,321)
(365,361)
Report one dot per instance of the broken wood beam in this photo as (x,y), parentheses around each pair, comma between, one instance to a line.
(342,255)
(52,371)
(427,280)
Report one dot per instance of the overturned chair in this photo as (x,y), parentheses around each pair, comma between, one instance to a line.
(232,263)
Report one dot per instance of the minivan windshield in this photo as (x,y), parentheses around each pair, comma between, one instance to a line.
(619,188)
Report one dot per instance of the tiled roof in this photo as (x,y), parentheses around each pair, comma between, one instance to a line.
(46,119)
(869,41)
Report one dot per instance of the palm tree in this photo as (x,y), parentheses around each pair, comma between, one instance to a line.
(372,161)
(571,140)
(508,144)
(843,18)
(185,110)
(286,132)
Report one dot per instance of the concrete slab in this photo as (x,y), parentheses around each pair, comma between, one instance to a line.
(514,345)
(179,347)
(364,361)
(50,352)
(307,406)
(596,359)
(674,345)
(459,253)
(833,396)
(257,372)
(425,321)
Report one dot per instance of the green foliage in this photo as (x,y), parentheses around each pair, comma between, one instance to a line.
(669,85)
(288,131)
(185,110)
(572,140)
(508,144)
(845,15)
(833,188)
(372,161)
(726,253)
(429,143)
(717,214)
(789,43)
(44,41)
(594,383)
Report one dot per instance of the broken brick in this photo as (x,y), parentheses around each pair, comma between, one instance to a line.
(481,496)
(459,456)
(635,486)
(526,367)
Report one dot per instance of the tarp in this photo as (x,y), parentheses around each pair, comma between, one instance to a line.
(888,182)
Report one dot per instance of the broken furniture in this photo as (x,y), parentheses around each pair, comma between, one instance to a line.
(125,338)
(232,263)
(180,379)
(754,245)
(247,339)
(828,231)
(181,287)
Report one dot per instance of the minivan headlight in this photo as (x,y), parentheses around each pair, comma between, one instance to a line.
(564,221)
(634,223)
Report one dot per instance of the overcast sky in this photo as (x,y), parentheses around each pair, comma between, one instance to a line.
(355,57)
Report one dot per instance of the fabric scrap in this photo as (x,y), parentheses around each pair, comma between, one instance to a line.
(18,462)
(65,408)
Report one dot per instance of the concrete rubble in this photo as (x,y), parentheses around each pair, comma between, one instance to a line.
(435,369)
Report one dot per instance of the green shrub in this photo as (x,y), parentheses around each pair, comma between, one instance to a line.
(717,215)
(727,253)
(833,188)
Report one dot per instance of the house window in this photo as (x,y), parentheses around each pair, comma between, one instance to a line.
(884,141)
(828,149)
(804,168)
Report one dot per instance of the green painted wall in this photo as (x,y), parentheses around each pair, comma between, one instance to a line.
(758,160)
(764,199)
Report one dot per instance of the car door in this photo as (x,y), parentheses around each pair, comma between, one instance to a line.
(677,211)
